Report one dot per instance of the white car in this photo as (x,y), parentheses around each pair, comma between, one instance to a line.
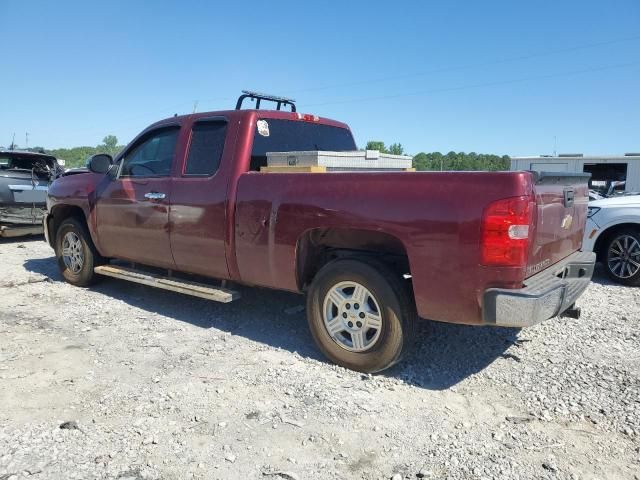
(613,232)
(593,195)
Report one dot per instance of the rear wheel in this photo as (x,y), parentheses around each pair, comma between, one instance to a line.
(76,253)
(361,315)
(622,256)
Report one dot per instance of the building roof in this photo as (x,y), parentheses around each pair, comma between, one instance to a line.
(580,156)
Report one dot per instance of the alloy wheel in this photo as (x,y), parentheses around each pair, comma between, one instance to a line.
(352,316)
(72,252)
(623,257)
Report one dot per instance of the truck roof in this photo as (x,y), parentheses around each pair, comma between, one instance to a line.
(250,115)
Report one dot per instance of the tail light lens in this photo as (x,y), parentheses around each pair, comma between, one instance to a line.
(307,117)
(506,228)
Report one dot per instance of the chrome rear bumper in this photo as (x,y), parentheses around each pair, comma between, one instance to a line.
(544,295)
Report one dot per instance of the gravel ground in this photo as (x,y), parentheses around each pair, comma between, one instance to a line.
(126,382)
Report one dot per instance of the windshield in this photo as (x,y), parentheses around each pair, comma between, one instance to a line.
(295,136)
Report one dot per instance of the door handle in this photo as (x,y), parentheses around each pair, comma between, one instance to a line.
(155,196)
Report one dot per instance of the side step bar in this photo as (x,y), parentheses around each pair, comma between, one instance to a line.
(175,285)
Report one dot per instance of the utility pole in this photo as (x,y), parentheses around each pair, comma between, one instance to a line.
(13,142)
(195,105)
(26,140)
(555,146)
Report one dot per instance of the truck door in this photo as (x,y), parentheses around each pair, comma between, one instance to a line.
(133,209)
(199,199)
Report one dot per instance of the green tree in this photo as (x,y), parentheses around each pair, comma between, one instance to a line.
(396,149)
(421,161)
(393,149)
(109,145)
(460,161)
(376,145)
(78,156)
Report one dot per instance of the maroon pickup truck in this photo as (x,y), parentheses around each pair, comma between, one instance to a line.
(187,202)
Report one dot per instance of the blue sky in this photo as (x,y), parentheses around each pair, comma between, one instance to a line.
(499,77)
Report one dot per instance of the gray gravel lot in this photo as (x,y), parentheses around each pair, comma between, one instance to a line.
(150,384)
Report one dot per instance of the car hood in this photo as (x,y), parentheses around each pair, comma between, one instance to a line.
(621,201)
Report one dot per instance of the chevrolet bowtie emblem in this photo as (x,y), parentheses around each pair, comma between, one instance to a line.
(567,221)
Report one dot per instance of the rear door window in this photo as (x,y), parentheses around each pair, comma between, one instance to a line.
(274,135)
(206,148)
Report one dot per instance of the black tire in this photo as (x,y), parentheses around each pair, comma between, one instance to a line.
(398,314)
(614,267)
(84,276)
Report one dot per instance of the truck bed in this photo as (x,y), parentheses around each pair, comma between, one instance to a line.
(434,217)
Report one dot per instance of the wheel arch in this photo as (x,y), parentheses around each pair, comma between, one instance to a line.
(60,213)
(317,247)
(608,232)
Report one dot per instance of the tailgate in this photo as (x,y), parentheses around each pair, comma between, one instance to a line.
(21,189)
(22,199)
(561,214)
(23,193)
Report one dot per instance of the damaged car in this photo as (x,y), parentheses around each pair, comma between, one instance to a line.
(24,180)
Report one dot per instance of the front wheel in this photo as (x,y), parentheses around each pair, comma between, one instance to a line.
(76,254)
(623,257)
(361,314)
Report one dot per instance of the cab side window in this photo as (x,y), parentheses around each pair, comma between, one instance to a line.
(206,147)
(152,156)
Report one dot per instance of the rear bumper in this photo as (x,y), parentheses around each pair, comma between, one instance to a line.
(21,214)
(544,295)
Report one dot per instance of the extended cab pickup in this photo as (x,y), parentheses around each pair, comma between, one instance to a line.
(373,251)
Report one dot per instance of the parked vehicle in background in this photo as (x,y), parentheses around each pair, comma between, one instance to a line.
(372,250)
(613,233)
(593,195)
(24,180)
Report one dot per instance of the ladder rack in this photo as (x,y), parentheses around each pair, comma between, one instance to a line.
(258,97)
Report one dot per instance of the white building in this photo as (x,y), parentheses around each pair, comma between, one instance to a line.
(621,172)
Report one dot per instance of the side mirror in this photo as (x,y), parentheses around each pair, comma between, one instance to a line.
(100,163)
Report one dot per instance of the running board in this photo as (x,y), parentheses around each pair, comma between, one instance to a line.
(175,285)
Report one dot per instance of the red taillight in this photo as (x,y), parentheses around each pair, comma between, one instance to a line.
(307,117)
(506,229)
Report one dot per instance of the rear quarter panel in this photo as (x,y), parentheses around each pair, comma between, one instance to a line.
(436,216)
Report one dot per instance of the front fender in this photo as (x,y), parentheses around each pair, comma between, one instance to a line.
(74,193)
